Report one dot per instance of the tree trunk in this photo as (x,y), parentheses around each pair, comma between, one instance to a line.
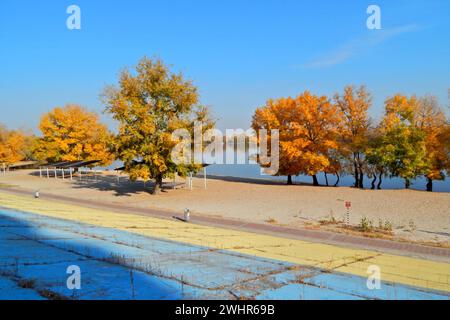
(355,165)
(338,178)
(361,181)
(326,179)
(380,178)
(315,181)
(407,183)
(289,182)
(430,185)
(360,171)
(158,185)
(373,181)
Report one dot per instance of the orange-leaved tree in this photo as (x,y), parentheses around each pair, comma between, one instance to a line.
(15,145)
(72,133)
(445,140)
(315,127)
(278,115)
(307,128)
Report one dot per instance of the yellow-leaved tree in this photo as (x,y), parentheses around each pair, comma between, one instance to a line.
(353,141)
(430,118)
(150,104)
(401,147)
(73,133)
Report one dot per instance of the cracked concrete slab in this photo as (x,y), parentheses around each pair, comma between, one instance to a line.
(164,268)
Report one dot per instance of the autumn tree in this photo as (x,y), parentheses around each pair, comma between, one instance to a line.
(430,118)
(353,105)
(402,143)
(14,145)
(308,128)
(445,140)
(278,115)
(73,133)
(150,103)
(379,155)
(335,165)
(315,128)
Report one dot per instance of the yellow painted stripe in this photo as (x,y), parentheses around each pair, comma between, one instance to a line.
(399,269)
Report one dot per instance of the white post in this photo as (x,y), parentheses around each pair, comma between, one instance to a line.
(79,171)
(70,171)
(190,181)
(56,174)
(204,176)
(48,174)
(118,177)
(40,172)
(62,172)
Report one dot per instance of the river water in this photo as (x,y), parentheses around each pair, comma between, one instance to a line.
(253,171)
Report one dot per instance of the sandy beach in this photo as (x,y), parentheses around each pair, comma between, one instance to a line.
(414,215)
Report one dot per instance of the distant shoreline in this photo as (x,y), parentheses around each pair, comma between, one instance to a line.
(250,172)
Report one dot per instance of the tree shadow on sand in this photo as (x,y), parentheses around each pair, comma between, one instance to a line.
(260,181)
(121,186)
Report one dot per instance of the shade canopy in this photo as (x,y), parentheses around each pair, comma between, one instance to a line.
(70,164)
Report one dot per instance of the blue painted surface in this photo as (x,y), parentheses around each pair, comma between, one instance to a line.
(117,264)
(10,290)
(296,291)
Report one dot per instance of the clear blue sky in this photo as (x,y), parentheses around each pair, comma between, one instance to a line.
(238,52)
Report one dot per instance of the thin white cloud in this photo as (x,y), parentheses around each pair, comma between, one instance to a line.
(357,46)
